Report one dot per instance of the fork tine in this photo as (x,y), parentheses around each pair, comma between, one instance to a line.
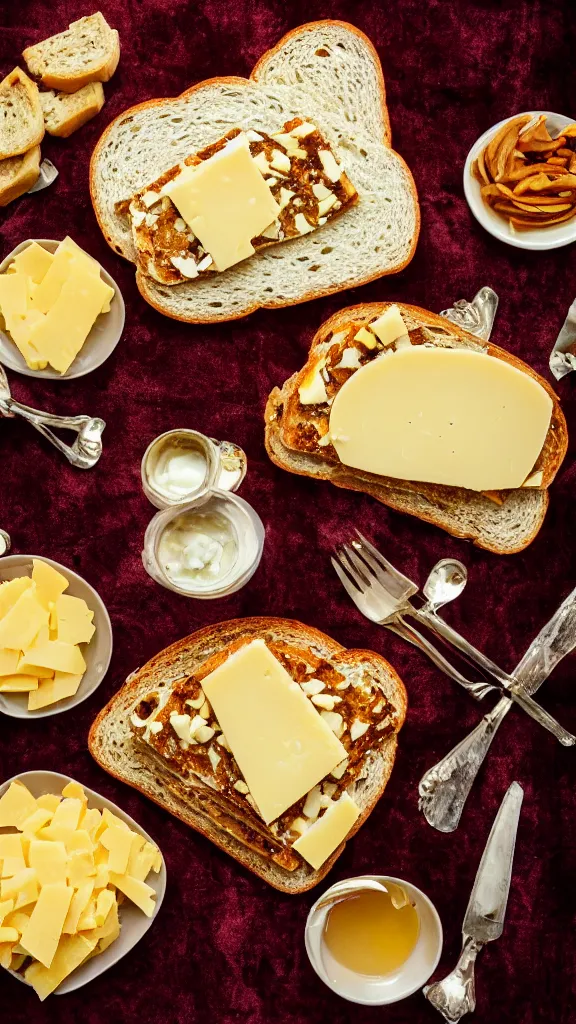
(358,566)
(351,589)
(383,562)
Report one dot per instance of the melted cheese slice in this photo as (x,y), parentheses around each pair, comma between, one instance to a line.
(444,416)
(225,201)
(282,745)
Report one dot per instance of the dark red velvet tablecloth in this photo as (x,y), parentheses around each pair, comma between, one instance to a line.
(225,947)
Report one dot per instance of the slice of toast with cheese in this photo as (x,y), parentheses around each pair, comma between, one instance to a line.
(390,390)
(304,188)
(199,727)
(325,73)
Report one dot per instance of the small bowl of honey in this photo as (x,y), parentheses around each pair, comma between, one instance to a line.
(374,945)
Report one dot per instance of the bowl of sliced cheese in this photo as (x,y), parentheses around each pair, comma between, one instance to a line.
(85,882)
(62,314)
(55,637)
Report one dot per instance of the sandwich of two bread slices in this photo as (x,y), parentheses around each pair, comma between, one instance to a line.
(272,190)
(264,735)
(69,68)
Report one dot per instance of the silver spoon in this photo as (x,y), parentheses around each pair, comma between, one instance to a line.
(444,584)
(86,449)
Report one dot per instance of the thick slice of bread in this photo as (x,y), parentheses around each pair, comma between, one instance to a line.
(21,121)
(87,51)
(64,112)
(333,77)
(208,802)
(503,522)
(18,174)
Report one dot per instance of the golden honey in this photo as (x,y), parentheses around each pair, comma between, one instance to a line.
(367,934)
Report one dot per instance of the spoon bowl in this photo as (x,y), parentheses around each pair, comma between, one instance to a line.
(445,583)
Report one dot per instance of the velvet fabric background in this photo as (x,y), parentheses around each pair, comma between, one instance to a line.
(226,947)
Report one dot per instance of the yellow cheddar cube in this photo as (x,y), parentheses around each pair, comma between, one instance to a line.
(50,583)
(16,805)
(48,800)
(138,892)
(42,934)
(18,684)
(75,790)
(21,623)
(64,684)
(78,904)
(80,841)
(50,861)
(72,951)
(11,854)
(118,842)
(53,654)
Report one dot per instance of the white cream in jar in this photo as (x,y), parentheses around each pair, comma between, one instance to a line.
(179,471)
(197,549)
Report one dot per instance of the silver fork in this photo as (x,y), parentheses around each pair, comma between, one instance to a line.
(382,594)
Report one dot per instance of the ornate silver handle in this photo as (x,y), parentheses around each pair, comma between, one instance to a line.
(86,449)
(515,689)
(445,787)
(407,632)
(476,317)
(455,995)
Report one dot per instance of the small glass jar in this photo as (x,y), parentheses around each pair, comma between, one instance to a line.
(178,466)
(206,548)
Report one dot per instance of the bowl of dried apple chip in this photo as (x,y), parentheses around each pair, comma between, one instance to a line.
(520,180)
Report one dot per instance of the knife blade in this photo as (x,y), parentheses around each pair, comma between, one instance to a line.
(455,995)
(484,919)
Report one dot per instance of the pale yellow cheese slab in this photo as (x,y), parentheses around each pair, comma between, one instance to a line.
(13,296)
(11,854)
(282,745)
(78,904)
(65,820)
(64,684)
(56,655)
(50,861)
(118,842)
(8,661)
(68,322)
(326,834)
(24,881)
(18,683)
(16,804)
(225,201)
(72,951)
(50,583)
(74,620)
(6,907)
(141,894)
(10,591)
(40,938)
(34,261)
(445,416)
(21,624)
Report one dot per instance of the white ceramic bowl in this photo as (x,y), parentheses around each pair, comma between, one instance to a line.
(97,653)
(538,238)
(99,344)
(378,991)
(134,924)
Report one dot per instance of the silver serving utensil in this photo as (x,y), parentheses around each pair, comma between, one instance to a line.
(445,583)
(86,449)
(455,995)
(376,578)
(476,317)
(5,543)
(444,788)
(48,174)
(563,355)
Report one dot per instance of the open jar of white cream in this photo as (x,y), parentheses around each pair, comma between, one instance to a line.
(182,464)
(205,548)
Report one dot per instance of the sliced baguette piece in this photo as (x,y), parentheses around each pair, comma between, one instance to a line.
(65,112)
(18,174)
(503,522)
(21,120)
(87,51)
(112,743)
(376,238)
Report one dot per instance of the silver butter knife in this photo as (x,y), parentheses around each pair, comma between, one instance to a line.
(455,995)
(444,788)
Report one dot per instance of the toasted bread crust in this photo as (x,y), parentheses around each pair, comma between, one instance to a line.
(281,404)
(200,645)
(274,303)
